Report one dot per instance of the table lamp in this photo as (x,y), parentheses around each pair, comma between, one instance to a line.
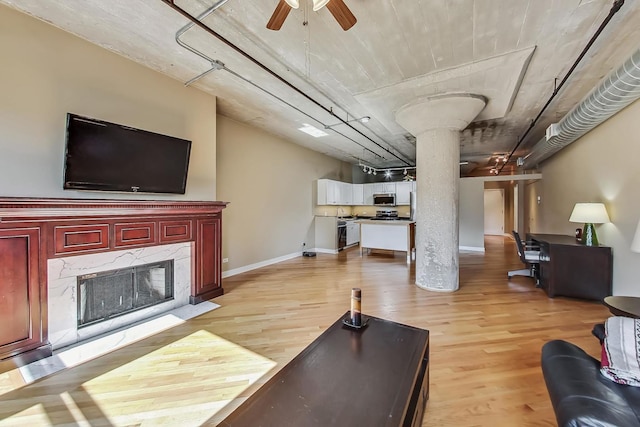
(589,214)
(635,245)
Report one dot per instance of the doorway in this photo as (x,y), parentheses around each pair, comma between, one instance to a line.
(494,211)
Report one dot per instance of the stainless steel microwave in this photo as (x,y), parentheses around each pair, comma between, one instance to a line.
(386,199)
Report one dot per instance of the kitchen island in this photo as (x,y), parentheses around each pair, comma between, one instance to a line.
(391,235)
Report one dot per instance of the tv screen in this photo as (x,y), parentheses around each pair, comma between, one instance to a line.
(110,157)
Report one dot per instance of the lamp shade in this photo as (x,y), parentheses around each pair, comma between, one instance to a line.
(593,213)
(293,3)
(635,245)
(319,4)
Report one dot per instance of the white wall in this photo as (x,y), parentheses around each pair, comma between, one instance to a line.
(471,214)
(270,184)
(602,166)
(46,73)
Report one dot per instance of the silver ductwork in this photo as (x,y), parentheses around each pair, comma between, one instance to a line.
(619,89)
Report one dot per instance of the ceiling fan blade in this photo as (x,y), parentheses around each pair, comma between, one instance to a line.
(279,15)
(342,13)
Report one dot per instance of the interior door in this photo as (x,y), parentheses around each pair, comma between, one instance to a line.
(494,211)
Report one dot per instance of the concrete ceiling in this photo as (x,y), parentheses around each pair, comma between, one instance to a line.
(509,51)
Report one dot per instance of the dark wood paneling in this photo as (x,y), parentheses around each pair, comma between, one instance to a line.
(134,234)
(80,238)
(21,313)
(208,258)
(34,230)
(172,231)
(14,301)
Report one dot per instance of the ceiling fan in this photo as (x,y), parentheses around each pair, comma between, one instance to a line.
(338,9)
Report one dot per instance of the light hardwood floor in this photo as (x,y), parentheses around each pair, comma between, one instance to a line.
(485,342)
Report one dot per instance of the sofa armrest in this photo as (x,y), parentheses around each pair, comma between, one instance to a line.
(580,395)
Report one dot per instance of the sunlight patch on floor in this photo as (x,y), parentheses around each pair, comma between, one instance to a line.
(77,354)
(208,371)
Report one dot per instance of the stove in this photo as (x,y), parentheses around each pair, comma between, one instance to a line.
(386,214)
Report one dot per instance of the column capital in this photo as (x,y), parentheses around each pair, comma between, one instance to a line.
(445,111)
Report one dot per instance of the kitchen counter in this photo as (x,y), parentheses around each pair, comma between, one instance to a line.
(391,235)
(385,221)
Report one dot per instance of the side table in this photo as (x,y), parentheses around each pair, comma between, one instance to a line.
(623,306)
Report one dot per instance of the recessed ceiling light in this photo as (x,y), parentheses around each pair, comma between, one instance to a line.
(313,131)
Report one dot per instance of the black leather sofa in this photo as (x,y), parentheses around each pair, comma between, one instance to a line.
(580,395)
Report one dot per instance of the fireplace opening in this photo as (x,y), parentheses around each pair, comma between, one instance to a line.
(109,294)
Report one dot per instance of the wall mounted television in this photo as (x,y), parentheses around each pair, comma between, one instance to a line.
(103,156)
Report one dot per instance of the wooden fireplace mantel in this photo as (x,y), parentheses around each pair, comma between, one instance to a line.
(35,230)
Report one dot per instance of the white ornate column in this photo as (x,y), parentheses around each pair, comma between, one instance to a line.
(436,122)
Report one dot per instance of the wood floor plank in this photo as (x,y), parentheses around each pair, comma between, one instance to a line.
(485,342)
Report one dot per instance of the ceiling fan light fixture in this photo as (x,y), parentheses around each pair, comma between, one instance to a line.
(317,4)
(293,3)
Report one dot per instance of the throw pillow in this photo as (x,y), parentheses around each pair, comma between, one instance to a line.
(621,351)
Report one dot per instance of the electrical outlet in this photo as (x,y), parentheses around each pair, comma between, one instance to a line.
(225,260)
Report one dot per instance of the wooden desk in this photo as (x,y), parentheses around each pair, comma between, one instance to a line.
(623,306)
(376,376)
(569,268)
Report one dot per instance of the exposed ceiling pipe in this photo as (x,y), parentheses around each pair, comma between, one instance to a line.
(617,4)
(216,65)
(619,89)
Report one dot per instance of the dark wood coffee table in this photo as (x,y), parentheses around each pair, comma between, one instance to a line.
(375,376)
(623,306)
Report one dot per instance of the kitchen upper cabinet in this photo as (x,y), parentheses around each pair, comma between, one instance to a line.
(328,192)
(332,192)
(370,190)
(403,189)
(346,193)
(388,187)
(358,194)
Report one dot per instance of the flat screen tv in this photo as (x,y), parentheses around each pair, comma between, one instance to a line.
(106,156)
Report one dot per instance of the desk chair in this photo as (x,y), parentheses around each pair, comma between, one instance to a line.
(530,256)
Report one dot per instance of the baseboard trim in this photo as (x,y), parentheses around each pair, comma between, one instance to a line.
(471,248)
(260,264)
(326,251)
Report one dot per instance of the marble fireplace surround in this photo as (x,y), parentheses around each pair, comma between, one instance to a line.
(62,289)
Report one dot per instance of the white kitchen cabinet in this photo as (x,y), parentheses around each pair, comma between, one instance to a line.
(388,187)
(403,189)
(346,193)
(328,192)
(358,194)
(353,233)
(370,190)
